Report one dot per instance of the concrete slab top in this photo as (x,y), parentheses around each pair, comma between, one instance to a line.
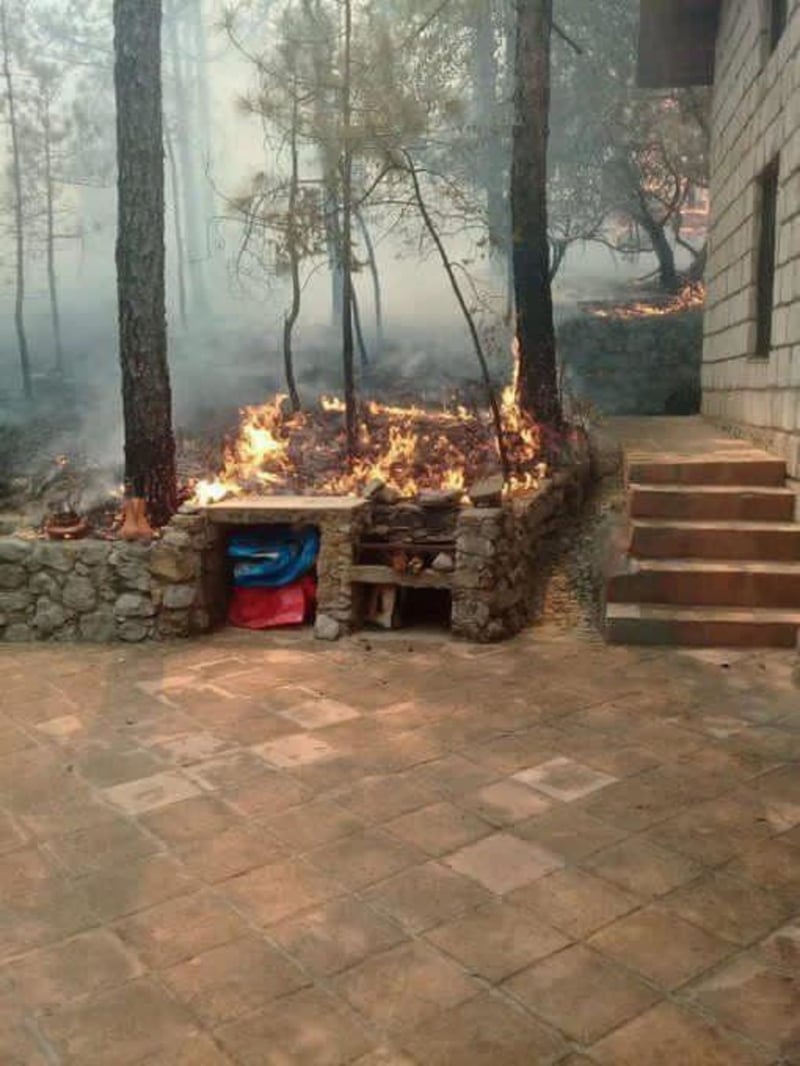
(250,510)
(685,438)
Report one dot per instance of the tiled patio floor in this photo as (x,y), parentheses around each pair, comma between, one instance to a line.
(262,851)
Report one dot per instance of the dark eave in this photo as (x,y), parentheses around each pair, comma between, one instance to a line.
(677,40)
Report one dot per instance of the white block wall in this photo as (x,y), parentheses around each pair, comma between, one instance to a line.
(756,116)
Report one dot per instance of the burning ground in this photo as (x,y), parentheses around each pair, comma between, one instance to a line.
(410,449)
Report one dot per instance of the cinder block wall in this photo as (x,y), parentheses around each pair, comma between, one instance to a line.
(756,116)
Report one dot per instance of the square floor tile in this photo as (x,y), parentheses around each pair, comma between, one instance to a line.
(581,993)
(230,853)
(336,936)
(180,928)
(574,901)
(660,946)
(774,866)
(189,820)
(299,749)
(668,1035)
(756,1001)
(122,1026)
(57,728)
(233,979)
(484,1032)
(727,907)
(316,714)
(781,950)
(381,797)
(116,891)
(85,965)
(639,866)
(426,895)
(149,793)
(187,748)
(497,940)
(503,862)
(569,832)
(312,824)
(439,828)
(271,893)
(404,987)
(107,844)
(505,803)
(364,858)
(564,779)
(308,1028)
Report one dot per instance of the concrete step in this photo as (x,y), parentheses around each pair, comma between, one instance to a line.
(700,583)
(718,471)
(707,627)
(712,503)
(752,541)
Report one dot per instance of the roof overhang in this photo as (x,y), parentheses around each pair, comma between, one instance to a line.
(677,42)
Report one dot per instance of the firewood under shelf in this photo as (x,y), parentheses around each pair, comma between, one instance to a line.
(385,575)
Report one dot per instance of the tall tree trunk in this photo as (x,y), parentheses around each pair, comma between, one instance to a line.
(490,148)
(194,228)
(351,414)
(146,393)
(19,213)
(376,283)
(294,256)
(52,279)
(362,347)
(537,380)
(174,181)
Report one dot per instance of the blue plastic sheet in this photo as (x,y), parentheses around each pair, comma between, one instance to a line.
(273,557)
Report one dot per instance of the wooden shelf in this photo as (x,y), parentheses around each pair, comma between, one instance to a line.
(385,575)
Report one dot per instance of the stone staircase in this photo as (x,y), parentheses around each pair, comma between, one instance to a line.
(711,554)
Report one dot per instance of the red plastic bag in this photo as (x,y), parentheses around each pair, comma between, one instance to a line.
(267,608)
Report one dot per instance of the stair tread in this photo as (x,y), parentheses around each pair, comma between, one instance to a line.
(721,524)
(682,613)
(720,490)
(716,566)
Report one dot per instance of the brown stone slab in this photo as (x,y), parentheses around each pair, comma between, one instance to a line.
(668,1035)
(581,993)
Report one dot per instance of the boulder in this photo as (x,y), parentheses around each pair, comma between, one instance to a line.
(14,549)
(133,605)
(172,563)
(79,593)
(12,576)
(49,617)
(98,627)
(327,628)
(53,556)
(177,597)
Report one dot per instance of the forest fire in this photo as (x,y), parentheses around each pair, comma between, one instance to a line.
(692,296)
(410,449)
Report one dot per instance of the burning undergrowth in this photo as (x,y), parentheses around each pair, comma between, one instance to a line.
(691,297)
(410,449)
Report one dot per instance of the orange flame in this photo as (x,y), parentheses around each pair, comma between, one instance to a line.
(691,296)
(409,448)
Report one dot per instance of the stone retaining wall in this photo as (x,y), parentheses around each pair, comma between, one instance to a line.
(500,554)
(102,591)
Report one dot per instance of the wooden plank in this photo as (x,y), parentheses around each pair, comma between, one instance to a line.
(419,546)
(384,575)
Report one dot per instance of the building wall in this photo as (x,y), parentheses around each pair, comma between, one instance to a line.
(756,116)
